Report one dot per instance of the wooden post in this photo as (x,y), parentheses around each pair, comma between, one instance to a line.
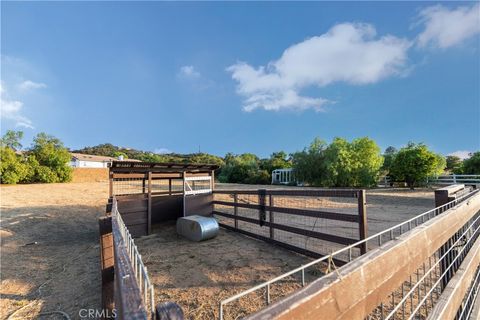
(110,185)
(271,219)
(362,214)
(170,186)
(235,209)
(149,214)
(184,175)
(107,264)
(262,216)
(444,196)
(143,185)
(212,174)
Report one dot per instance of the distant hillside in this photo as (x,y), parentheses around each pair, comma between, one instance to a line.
(109,150)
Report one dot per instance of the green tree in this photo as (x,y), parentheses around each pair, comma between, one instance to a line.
(388,156)
(309,164)
(366,162)
(277,160)
(243,168)
(206,158)
(454,164)
(52,158)
(472,164)
(12,168)
(339,164)
(352,164)
(12,139)
(415,163)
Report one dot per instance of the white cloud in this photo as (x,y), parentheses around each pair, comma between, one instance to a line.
(348,52)
(162,151)
(11,109)
(189,72)
(445,28)
(462,154)
(30,85)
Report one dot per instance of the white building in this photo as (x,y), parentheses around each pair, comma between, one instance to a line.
(283,176)
(80,160)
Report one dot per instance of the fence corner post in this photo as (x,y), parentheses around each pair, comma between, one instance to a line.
(271,219)
(107,263)
(362,215)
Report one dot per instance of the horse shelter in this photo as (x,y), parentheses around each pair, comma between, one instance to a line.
(262,233)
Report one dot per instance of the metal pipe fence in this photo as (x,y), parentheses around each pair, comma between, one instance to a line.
(419,299)
(468,303)
(456,178)
(138,267)
(378,238)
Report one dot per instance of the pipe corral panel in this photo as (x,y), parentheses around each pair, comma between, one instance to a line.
(197,228)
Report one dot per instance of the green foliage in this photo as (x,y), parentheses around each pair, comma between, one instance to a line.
(47,161)
(206,158)
(52,158)
(454,164)
(472,164)
(12,168)
(388,157)
(109,150)
(277,160)
(12,139)
(352,164)
(309,164)
(340,164)
(248,168)
(415,163)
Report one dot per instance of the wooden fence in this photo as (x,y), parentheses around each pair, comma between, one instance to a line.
(287,224)
(402,279)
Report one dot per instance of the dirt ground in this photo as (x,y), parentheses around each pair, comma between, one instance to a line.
(198,275)
(60,270)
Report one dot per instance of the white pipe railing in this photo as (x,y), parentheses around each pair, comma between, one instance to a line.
(456,178)
(139,269)
(407,225)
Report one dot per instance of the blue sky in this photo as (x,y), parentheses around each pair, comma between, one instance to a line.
(242,77)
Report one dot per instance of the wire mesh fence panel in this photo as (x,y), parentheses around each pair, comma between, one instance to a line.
(319,225)
(126,186)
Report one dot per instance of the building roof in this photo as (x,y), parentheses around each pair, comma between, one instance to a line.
(133,166)
(95,158)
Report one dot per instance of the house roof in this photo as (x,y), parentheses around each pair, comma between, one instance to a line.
(94,158)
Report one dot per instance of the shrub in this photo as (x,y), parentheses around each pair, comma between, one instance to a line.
(47,161)
(52,158)
(472,164)
(415,163)
(340,164)
(12,168)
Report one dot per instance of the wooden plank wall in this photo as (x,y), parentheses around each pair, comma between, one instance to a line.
(200,204)
(134,212)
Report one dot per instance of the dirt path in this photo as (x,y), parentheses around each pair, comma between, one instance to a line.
(61,272)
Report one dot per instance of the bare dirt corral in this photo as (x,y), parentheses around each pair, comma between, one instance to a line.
(62,271)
